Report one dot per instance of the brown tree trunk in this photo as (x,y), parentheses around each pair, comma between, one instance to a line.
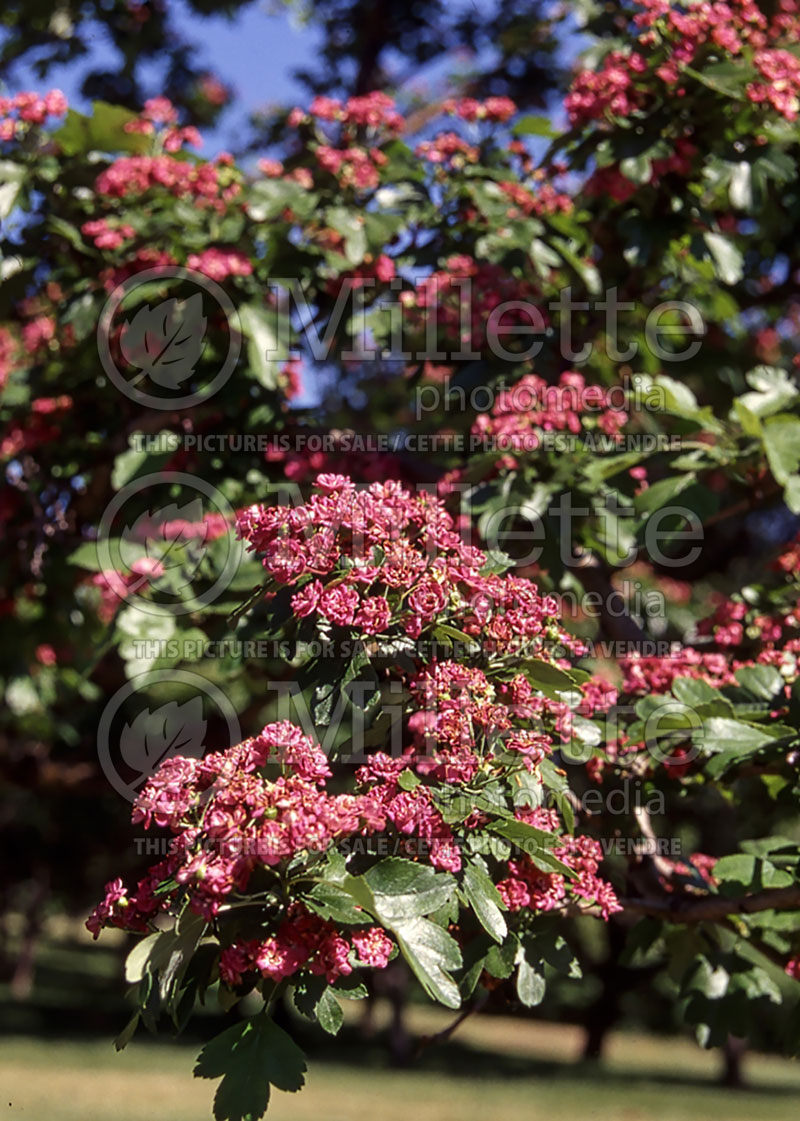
(21,983)
(732,1055)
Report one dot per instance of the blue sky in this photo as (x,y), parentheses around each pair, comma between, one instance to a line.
(254,53)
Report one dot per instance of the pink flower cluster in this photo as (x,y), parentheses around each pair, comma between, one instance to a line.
(135,175)
(529,886)
(728,26)
(161,111)
(460,727)
(374,110)
(303,465)
(612,90)
(272,169)
(382,269)
(497,109)
(448,148)
(653,674)
(531,406)
(373,559)
(464,294)
(305,941)
(547,200)
(353,167)
(17,113)
(9,351)
(674,36)
(379,558)
(780,88)
(789,559)
(227,821)
(219,264)
(35,431)
(38,333)
(213,90)
(726,624)
(106,236)
(792,968)
(698,863)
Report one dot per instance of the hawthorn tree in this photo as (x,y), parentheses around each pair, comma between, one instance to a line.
(511,626)
(144,40)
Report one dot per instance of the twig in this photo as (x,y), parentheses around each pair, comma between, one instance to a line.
(443,1035)
(715,908)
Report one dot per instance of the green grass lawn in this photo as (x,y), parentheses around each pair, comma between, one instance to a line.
(497,1069)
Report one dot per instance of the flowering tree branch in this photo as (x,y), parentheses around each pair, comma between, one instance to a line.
(714,908)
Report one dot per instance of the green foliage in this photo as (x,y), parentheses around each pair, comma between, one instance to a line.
(251,1058)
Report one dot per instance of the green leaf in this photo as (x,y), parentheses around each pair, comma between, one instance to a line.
(104,131)
(680,401)
(791,493)
(444,633)
(178,954)
(258,325)
(773,391)
(134,462)
(693,692)
(727,78)
(728,261)
(638,169)
(751,872)
(86,556)
(782,445)
(269,198)
(127,1033)
(530,984)
(720,733)
(533,124)
(500,960)
(432,955)
(537,844)
(329,1012)
(740,189)
(485,901)
(334,903)
(138,959)
(137,624)
(750,423)
(350,224)
(307,994)
(12,176)
(762,682)
(397,889)
(756,983)
(662,493)
(250,1057)
(407,780)
(549,679)
(739,867)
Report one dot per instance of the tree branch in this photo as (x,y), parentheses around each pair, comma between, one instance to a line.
(617,624)
(443,1035)
(715,908)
